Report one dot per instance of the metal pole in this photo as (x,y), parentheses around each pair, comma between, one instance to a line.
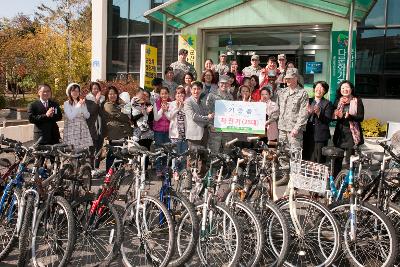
(350,43)
(164,44)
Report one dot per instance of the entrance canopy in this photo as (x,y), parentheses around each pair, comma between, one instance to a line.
(182,13)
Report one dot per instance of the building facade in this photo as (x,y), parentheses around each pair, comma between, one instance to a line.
(263,27)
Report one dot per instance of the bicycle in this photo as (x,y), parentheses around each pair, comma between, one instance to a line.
(362,222)
(49,215)
(182,211)
(99,227)
(147,240)
(253,235)
(220,242)
(12,179)
(314,231)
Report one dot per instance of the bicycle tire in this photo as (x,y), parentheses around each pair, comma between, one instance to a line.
(98,237)
(300,247)
(340,210)
(252,251)
(183,220)
(25,231)
(393,213)
(276,232)
(47,229)
(234,257)
(8,224)
(131,255)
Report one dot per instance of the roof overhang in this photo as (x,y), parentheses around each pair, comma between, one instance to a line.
(182,13)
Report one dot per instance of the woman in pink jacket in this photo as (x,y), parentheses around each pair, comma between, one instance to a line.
(161,125)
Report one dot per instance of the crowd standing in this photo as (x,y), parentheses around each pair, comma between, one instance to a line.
(181,109)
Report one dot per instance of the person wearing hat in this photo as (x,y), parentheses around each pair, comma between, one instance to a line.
(222,67)
(281,62)
(44,114)
(216,140)
(181,67)
(76,130)
(292,102)
(317,132)
(254,68)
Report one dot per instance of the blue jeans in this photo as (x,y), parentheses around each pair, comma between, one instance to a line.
(159,139)
(181,147)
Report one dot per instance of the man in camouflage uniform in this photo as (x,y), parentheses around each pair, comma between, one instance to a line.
(222,67)
(217,140)
(292,102)
(182,66)
(254,69)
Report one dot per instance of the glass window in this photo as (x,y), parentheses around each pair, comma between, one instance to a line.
(370,44)
(392,86)
(171,49)
(392,50)
(377,15)
(367,85)
(393,12)
(134,52)
(117,55)
(117,17)
(137,23)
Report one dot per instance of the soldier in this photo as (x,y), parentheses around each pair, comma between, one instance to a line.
(216,140)
(222,67)
(254,69)
(292,102)
(182,66)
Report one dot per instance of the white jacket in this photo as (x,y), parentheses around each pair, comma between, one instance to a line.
(173,121)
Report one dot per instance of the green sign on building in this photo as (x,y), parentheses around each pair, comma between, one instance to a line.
(339,46)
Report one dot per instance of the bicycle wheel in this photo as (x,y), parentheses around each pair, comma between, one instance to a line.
(8,222)
(98,234)
(148,233)
(376,241)
(318,243)
(253,235)
(221,242)
(393,213)
(187,228)
(24,233)
(54,234)
(276,232)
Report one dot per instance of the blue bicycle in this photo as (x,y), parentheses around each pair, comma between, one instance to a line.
(362,223)
(187,226)
(13,180)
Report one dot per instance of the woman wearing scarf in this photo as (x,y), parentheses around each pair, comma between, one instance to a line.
(349,113)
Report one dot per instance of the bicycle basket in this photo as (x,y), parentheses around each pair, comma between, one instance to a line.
(308,175)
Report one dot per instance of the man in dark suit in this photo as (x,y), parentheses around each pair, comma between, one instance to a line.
(44,114)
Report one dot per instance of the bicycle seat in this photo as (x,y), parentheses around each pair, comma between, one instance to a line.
(332,151)
(378,156)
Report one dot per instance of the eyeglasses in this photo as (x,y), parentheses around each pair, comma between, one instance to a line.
(254,59)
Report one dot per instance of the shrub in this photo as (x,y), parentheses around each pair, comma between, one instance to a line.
(373,128)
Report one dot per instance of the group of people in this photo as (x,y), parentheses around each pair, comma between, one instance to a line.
(181,109)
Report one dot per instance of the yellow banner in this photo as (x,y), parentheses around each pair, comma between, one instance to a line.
(148,65)
(188,42)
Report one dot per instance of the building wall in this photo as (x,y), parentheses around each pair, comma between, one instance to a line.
(99,39)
